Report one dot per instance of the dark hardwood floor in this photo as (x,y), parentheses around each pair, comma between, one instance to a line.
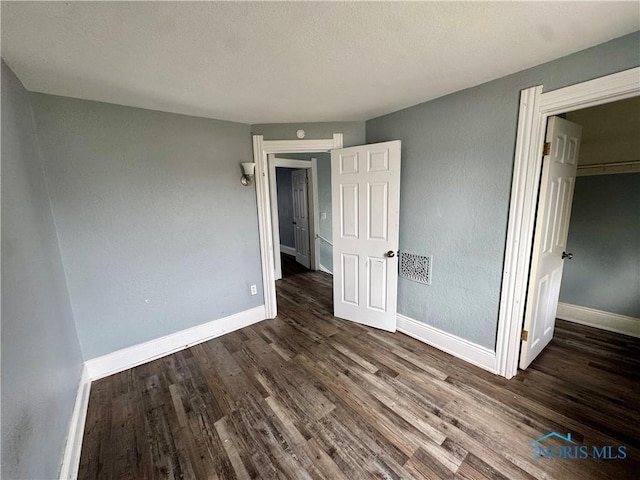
(310,396)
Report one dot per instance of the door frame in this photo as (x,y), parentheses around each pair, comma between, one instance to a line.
(261,149)
(312,207)
(535,108)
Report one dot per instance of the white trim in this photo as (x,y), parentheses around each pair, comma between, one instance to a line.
(73,447)
(458,347)
(261,149)
(314,213)
(519,232)
(324,269)
(325,240)
(535,108)
(291,163)
(608,168)
(599,91)
(612,322)
(264,227)
(135,355)
(288,250)
(295,146)
(275,217)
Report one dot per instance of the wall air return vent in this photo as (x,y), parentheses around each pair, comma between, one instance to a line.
(416,267)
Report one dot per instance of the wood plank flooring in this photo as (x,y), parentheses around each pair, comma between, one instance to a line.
(310,396)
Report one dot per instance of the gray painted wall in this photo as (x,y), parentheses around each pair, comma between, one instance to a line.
(353,132)
(41,358)
(285,206)
(324,205)
(604,236)
(457,162)
(156,232)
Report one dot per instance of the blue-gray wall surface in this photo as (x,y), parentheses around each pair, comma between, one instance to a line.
(285,206)
(41,357)
(156,232)
(604,237)
(457,163)
(324,205)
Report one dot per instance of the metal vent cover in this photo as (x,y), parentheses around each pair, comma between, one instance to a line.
(416,267)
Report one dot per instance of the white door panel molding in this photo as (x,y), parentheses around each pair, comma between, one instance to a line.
(550,237)
(365,186)
(301,216)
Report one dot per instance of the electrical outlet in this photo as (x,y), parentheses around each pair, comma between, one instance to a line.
(323,215)
(254,290)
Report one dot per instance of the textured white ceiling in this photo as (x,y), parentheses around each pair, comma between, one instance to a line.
(290,61)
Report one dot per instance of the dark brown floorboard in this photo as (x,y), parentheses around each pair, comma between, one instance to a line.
(310,396)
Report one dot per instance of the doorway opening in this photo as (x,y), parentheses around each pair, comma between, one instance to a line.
(536,108)
(363,185)
(301,209)
(600,285)
(292,218)
(585,251)
(265,152)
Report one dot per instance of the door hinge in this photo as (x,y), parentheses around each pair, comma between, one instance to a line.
(524,335)
(547,148)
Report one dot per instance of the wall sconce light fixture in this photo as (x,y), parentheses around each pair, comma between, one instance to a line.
(248,168)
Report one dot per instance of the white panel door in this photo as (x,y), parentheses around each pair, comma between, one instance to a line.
(365,189)
(550,241)
(301,216)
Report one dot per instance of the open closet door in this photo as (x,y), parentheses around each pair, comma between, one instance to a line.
(558,180)
(365,185)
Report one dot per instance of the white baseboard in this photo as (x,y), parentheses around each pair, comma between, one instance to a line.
(135,355)
(73,447)
(458,347)
(612,322)
(324,269)
(288,250)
